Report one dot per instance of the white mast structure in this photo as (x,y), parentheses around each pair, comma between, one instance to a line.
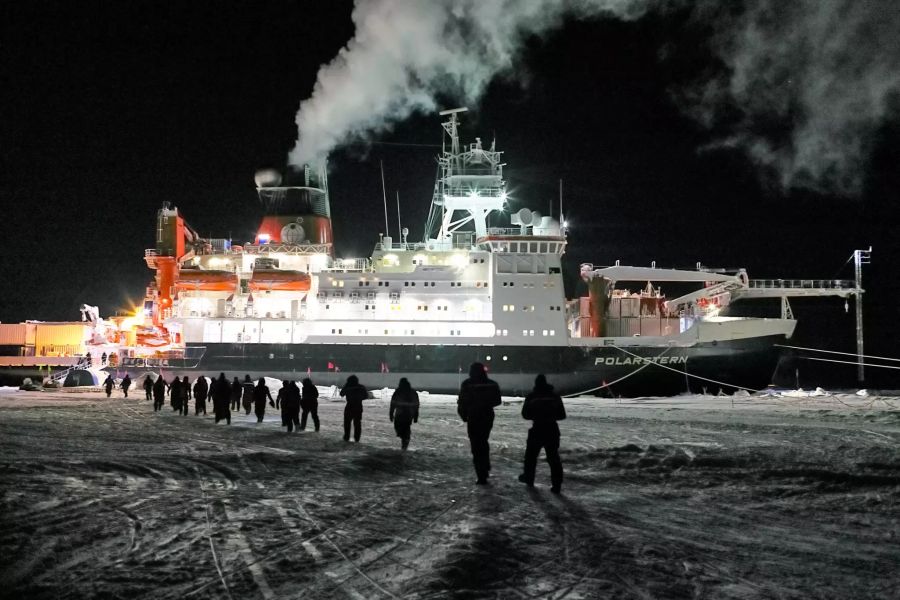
(469,188)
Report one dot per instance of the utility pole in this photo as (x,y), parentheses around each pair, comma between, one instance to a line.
(860,258)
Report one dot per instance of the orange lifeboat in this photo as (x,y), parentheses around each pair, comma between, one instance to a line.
(207,281)
(279,280)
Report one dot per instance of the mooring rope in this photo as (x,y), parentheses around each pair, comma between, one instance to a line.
(848,362)
(685,373)
(624,377)
(836,352)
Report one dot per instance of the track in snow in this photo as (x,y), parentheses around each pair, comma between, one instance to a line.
(105,498)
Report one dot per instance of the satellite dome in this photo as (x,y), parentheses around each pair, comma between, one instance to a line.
(292,233)
(267,178)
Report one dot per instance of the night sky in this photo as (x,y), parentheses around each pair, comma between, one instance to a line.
(110,109)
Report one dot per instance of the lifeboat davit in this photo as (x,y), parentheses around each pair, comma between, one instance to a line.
(279,280)
(208,281)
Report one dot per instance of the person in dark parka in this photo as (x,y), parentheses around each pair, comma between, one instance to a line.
(109,384)
(290,406)
(260,395)
(126,384)
(280,403)
(309,402)
(355,393)
(237,390)
(148,387)
(201,389)
(478,396)
(404,411)
(543,407)
(185,395)
(159,393)
(175,395)
(247,399)
(277,403)
(221,395)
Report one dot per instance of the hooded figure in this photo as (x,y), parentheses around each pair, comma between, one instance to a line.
(221,395)
(109,384)
(201,390)
(478,396)
(185,395)
(404,411)
(260,394)
(290,406)
(237,390)
(355,394)
(175,395)
(148,387)
(159,393)
(543,407)
(126,384)
(309,402)
(248,394)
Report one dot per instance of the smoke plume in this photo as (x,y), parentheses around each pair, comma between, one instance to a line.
(407,51)
(803,85)
(806,85)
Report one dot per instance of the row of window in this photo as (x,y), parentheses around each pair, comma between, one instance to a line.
(547,284)
(529,247)
(526,332)
(395,305)
(340,331)
(366,283)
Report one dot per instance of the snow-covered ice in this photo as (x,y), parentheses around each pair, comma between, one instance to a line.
(686,497)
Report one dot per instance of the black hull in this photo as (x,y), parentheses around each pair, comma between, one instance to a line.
(633,371)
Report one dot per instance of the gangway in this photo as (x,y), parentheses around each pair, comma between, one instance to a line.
(807,288)
(797,288)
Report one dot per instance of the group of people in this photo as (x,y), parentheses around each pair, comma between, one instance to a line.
(478,396)
(110,383)
(227,396)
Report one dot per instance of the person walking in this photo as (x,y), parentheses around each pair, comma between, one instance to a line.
(201,389)
(309,402)
(290,406)
(175,395)
(221,395)
(247,399)
(109,384)
(148,387)
(404,411)
(260,394)
(126,384)
(355,393)
(478,396)
(103,359)
(280,403)
(185,395)
(278,397)
(159,393)
(543,407)
(235,395)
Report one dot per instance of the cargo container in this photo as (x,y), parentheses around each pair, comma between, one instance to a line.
(12,334)
(61,339)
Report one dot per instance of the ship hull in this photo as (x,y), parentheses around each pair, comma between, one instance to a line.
(628,371)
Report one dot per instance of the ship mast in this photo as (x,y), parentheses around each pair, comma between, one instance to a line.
(470,186)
